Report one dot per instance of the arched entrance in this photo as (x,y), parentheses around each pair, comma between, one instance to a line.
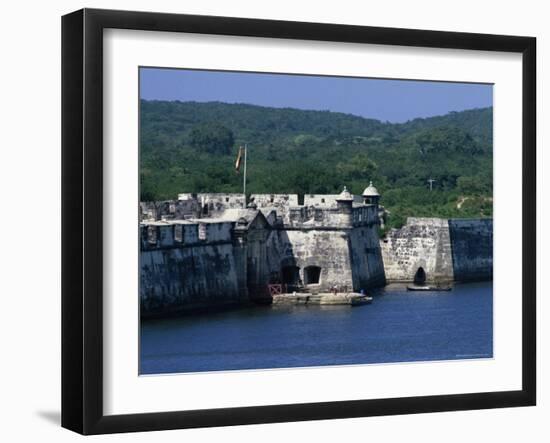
(420,276)
(290,275)
(312,275)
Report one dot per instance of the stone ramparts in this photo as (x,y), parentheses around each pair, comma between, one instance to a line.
(441,249)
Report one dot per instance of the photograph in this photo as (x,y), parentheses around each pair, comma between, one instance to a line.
(297,220)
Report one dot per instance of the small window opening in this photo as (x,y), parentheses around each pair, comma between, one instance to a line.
(312,275)
(290,275)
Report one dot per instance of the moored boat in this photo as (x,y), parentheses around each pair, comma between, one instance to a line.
(360,301)
(428,288)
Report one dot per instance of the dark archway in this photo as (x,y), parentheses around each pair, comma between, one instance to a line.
(290,275)
(420,276)
(312,275)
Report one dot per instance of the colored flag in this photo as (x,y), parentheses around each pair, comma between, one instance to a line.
(239,159)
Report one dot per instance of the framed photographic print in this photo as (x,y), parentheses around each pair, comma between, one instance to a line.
(269,221)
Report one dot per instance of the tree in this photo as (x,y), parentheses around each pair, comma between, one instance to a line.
(212,138)
(189,146)
(358,167)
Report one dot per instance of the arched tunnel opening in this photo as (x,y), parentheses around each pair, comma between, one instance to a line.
(420,276)
(290,275)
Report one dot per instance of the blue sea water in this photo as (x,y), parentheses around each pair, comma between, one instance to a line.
(399,326)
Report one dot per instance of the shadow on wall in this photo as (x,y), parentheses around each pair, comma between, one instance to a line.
(295,262)
(472,249)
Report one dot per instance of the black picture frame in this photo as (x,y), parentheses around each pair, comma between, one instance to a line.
(82,218)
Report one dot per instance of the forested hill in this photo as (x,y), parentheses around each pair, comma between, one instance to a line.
(191,147)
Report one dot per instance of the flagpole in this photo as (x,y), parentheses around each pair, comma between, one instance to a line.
(244,175)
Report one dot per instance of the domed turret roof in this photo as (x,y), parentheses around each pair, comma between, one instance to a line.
(345,195)
(370,191)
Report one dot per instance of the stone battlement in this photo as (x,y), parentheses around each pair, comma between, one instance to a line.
(328,200)
(207,249)
(322,211)
(441,249)
(308,217)
(181,233)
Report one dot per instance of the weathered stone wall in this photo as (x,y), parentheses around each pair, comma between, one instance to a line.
(365,215)
(213,204)
(274,200)
(447,250)
(181,271)
(328,250)
(218,200)
(280,203)
(342,242)
(366,258)
(231,255)
(421,243)
(168,210)
(328,200)
(308,217)
(472,249)
(254,238)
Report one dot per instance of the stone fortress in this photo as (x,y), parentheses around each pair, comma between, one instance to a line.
(211,250)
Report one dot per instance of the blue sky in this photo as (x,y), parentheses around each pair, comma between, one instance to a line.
(386,100)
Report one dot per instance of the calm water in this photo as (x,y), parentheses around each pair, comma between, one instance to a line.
(398,326)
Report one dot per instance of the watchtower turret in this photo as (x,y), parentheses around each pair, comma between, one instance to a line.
(344,204)
(371,195)
(344,201)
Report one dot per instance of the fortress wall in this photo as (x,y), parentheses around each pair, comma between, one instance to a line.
(317,217)
(217,203)
(168,209)
(274,200)
(326,249)
(255,251)
(188,278)
(365,215)
(472,249)
(455,249)
(327,200)
(179,233)
(309,217)
(189,272)
(366,258)
(422,242)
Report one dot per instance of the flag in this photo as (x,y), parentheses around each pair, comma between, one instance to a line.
(239,159)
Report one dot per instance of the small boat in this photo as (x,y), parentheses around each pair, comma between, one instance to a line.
(428,288)
(360,301)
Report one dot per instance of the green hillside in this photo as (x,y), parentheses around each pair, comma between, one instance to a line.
(191,147)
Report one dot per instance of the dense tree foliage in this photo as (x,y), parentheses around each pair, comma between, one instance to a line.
(191,147)
(212,138)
